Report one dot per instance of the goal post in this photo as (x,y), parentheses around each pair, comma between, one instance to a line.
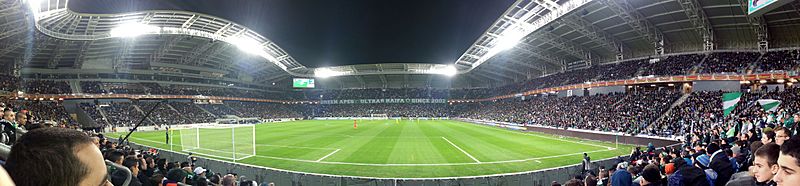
(234,142)
(379,116)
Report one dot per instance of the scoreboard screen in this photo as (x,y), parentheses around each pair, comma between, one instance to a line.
(303,83)
(759,7)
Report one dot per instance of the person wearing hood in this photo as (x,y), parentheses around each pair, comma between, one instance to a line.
(720,163)
(622,177)
(687,174)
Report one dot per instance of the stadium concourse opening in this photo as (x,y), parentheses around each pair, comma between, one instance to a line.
(470,92)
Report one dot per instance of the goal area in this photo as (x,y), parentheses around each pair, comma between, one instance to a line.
(234,142)
(379,116)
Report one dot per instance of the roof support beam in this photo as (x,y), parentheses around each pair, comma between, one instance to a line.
(59,52)
(539,53)
(498,73)
(759,26)
(515,71)
(165,48)
(594,33)
(700,22)
(495,78)
(563,44)
(638,22)
(515,60)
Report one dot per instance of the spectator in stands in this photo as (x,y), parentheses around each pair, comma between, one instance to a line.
(789,163)
(175,175)
(22,120)
(767,137)
(651,176)
(720,163)
(621,177)
(229,180)
(116,157)
(765,165)
(118,177)
(200,176)
(687,174)
(56,156)
(781,134)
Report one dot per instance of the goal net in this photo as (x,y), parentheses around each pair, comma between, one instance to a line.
(379,116)
(234,142)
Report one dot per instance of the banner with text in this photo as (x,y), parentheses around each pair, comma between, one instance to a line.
(376,101)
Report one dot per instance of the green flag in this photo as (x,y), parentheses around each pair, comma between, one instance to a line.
(729,102)
(769,104)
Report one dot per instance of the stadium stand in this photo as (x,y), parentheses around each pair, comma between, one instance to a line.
(729,62)
(779,60)
(42,110)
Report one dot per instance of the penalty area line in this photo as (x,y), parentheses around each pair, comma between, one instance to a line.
(462,150)
(326,156)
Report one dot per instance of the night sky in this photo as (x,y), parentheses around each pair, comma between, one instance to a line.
(330,33)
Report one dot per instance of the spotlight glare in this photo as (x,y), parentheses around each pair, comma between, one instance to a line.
(247,45)
(132,30)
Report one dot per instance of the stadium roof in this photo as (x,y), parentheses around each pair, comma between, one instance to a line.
(553,36)
(564,34)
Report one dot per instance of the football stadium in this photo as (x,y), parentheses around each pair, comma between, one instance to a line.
(434,92)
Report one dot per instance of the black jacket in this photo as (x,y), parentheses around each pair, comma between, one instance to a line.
(691,175)
(721,164)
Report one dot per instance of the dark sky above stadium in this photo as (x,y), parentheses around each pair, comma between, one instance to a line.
(339,32)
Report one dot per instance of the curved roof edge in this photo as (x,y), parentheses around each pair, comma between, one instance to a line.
(53,18)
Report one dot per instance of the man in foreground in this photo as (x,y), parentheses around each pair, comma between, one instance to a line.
(64,156)
(789,162)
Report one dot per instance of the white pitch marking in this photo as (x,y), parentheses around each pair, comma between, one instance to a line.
(326,156)
(462,150)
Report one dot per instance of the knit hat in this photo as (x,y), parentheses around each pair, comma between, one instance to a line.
(703,160)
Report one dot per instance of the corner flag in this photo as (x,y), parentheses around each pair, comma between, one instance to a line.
(729,102)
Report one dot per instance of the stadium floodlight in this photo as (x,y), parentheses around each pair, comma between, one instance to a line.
(133,30)
(35,6)
(508,40)
(247,45)
(326,72)
(448,70)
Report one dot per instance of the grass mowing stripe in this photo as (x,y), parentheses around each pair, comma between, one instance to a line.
(527,146)
(482,147)
(432,155)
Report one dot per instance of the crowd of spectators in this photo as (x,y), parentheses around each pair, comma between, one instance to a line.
(9,83)
(628,113)
(672,65)
(780,60)
(95,87)
(45,87)
(266,110)
(94,113)
(123,114)
(163,114)
(729,62)
(373,93)
(220,110)
(770,157)
(192,112)
(367,110)
(88,158)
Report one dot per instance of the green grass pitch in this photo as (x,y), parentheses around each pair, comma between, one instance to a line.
(408,149)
